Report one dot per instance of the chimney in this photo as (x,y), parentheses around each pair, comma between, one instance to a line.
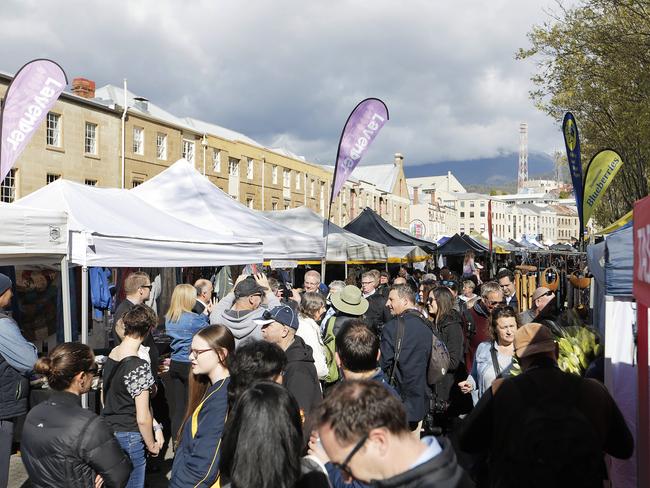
(415,196)
(83,87)
(432,194)
(141,104)
(399,159)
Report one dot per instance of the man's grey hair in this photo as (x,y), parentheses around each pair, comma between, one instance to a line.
(429,276)
(313,273)
(404,292)
(202,285)
(336,285)
(490,287)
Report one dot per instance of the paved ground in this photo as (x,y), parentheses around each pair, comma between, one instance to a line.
(18,475)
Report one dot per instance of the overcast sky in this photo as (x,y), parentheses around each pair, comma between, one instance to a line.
(288,72)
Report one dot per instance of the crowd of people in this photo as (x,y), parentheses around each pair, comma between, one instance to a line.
(281,387)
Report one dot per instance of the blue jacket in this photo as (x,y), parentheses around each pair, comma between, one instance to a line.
(17,358)
(411,370)
(196,462)
(182,332)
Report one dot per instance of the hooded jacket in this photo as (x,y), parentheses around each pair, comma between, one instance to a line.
(441,471)
(241,323)
(64,444)
(300,375)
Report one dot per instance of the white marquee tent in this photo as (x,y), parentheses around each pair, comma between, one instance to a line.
(182,191)
(342,246)
(113,227)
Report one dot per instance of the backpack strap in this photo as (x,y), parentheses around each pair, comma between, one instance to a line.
(495,361)
(401,327)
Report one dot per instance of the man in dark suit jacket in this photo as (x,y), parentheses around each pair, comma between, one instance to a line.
(507,283)
(414,350)
(378,313)
(204,290)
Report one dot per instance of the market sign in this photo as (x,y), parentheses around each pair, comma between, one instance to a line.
(642,250)
(417,229)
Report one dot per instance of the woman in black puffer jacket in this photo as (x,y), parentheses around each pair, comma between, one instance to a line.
(447,325)
(64,444)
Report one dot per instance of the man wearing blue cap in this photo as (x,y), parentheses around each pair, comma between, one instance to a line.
(17,358)
(279,326)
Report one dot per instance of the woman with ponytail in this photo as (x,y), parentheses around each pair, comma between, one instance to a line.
(196,462)
(64,444)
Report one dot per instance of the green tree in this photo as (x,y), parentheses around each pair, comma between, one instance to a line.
(593,60)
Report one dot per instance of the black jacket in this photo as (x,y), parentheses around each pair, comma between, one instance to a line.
(411,370)
(450,332)
(378,313)
(64,444)
(300,376)
(440,472)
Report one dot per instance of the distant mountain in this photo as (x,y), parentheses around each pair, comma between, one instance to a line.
(495,172)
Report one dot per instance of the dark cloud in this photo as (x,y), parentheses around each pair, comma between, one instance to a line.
(288,72)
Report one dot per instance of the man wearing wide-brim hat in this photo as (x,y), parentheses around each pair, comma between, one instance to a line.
(349,304)
(545,426)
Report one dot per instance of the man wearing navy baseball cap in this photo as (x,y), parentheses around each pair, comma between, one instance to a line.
(17,358)
(279,326)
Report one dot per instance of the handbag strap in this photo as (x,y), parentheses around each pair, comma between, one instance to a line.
(495,361)
(401,327)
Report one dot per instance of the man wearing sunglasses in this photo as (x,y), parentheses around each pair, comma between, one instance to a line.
(541,298)
(363,429)
(477,319)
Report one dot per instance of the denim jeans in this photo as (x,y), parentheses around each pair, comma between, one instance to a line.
(132,444)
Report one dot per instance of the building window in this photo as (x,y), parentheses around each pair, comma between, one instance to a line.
(274,205)
(482,214)
(462,204)
(483,227)
(286,178)
(471,215)
(462,215)
(161,146)
(216,160)
(138,140)
(136,182)
(90,141)
(8,187)
(233,167)
(471,204)
(482,203)
(90,182)
(53,130)
(188,151)
(51,177)
(249,203)
(312,184)
(298,177)
(249,169)
(274,175)
(462,228)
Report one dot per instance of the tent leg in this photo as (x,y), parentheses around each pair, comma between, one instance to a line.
(65,290)
(322,269)
(346,270)
(386,266)
(84,319)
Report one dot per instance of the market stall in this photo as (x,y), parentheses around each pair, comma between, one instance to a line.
(342,246)
(189,196)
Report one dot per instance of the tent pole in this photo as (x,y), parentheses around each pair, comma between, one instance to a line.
(346,270)
(84,319)
(322,269)
(65,290)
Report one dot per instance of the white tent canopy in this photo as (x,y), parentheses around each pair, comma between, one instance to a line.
(342,245)
(182,191)
(32,236)
(113,227)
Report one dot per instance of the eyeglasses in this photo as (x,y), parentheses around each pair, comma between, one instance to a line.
(92,370)
(147,286)
(547,294)
(367,282)
(448,283)
(344,465)
(493,303)
(197,352)
(431,300)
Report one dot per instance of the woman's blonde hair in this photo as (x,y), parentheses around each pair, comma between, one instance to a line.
(183,300)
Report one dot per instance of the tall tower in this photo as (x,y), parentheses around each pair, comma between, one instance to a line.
(522,174)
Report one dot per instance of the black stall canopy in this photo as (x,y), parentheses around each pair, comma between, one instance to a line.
(458,245)
(371,226)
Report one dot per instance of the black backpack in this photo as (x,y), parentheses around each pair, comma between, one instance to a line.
(555,445)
